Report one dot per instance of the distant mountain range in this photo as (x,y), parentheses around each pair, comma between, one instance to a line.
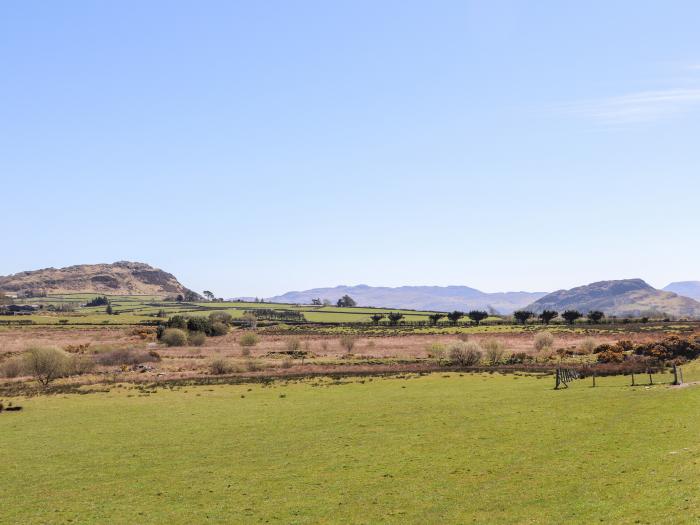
(119,278)
(436,298)
(687,288)
(628,297)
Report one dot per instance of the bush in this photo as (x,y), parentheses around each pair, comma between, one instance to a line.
(248,339)
(127,356)
(252,365)
(610,356)
(196,338)
(218,329)
(199,324)
(79,364)
(45,364)
(436,351)
(587,346)
(517,358)
(465,354)
(177,321)
(286,363)
(348,342)
(494,351)
(543,340)
(221,367)
(220,317)
(174,337)
(13,367)
(249,320)
(293,345)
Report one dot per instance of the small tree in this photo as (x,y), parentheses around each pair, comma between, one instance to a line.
(376,318)
(477,316)
(571,316)
(45,364)
(394,318)
(547,315)
(209,295)
(346,302)
(316,301)
(455,316)
(109,310)
(435,318)
(595,316)
(522,316)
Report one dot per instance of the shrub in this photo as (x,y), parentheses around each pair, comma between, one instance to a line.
(45,364)
(517,358)
(220,317)
(348,342)
(252,365)
(494,351)
(126,356)
(465,354)
(221,367)
(79,365)
(196,338)
(218,329)
(174,337)
(586,346)
(199,324)
(293,345)
(543,340)
(13,367)
(610,356)
(177,321)
(436,351)
(286,363)
(248,339)
(249,320)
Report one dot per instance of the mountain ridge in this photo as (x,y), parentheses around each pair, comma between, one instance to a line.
(421,297)
(624,297)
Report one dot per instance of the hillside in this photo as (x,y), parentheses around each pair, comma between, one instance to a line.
(624,297)
(119,278)
(439,298)
(686,288)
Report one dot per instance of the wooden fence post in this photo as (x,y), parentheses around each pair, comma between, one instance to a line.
(632,373)
(675,374)
(556,386)
(593,379)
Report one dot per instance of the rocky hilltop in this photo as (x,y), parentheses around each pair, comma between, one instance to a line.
(623,297)
(119,278)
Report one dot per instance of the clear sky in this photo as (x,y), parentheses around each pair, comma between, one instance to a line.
(257,147)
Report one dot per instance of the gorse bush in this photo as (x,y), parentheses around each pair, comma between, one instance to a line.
(543,341)
(174,337)
(221,317)
(436,351)
(465,354)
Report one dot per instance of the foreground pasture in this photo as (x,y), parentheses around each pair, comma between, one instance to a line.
(438,448)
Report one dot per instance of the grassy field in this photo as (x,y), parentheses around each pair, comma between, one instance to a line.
(438,448)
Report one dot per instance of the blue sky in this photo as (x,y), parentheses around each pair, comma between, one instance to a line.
(252,148)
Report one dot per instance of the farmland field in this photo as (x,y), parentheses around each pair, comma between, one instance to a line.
(484,448)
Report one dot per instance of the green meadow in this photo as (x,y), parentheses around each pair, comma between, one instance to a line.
(482,448)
